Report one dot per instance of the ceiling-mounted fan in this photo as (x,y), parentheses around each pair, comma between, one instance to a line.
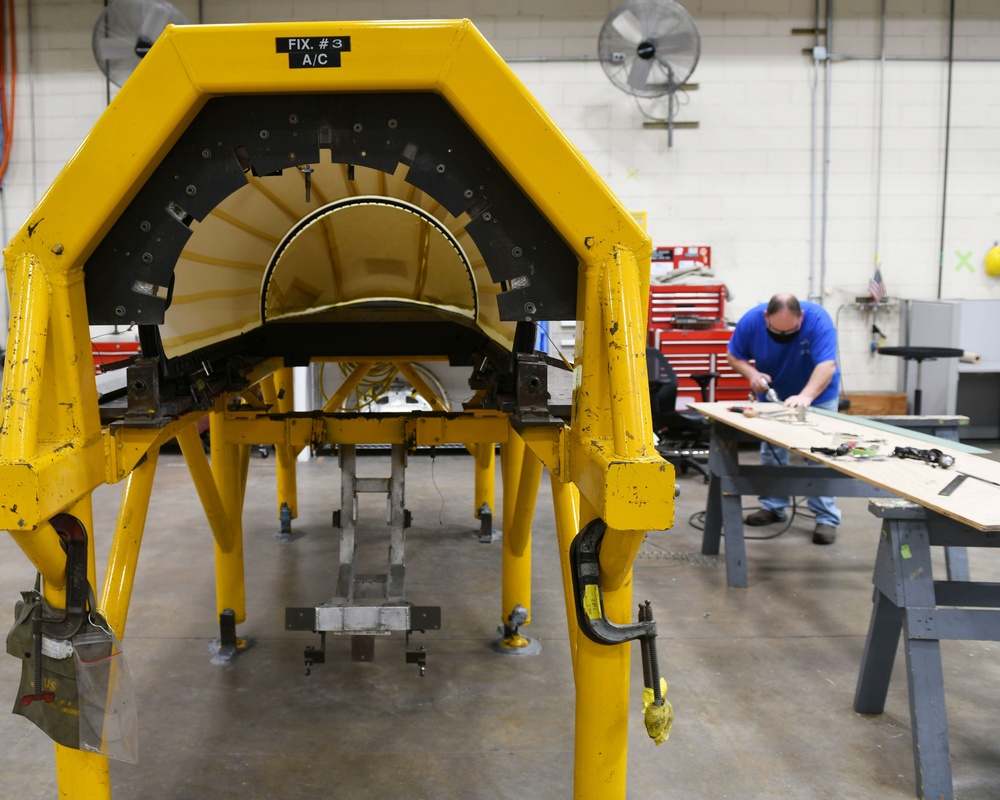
(124,32)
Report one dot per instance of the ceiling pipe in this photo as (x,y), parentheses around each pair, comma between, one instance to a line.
(947,144)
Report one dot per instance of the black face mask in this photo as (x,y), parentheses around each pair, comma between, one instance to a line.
(782,338)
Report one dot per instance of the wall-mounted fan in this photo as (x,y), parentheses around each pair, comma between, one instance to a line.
(649,47)
(125,31)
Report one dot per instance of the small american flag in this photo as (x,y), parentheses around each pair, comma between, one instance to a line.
(876,286)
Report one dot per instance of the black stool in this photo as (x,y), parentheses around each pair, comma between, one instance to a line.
(920,354)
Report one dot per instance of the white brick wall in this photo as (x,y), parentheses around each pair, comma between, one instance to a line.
(739,183)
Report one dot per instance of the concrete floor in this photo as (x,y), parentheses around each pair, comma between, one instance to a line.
(762,679)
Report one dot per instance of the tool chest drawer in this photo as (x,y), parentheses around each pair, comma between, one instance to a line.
(692,351)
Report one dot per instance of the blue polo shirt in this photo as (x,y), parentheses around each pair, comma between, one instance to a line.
(789,365)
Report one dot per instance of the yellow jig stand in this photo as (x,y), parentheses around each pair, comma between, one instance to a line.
(252,206)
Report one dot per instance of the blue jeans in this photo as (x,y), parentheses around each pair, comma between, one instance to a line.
(824,508)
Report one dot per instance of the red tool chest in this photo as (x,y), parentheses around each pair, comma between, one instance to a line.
(687,324)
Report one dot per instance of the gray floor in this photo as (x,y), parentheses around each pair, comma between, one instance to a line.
(762,679)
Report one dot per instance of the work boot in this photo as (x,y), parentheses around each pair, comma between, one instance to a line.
(824,534)
(763,516)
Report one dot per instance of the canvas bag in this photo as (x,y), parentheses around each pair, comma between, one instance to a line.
(92,704)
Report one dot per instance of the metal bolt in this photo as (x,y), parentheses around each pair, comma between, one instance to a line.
(517,252)
(191,190)
(647,676)
(393,123)
(57,249)
(144,226)
(147,258)
(293,118)
(264,134)
(468,194)
(440,168)
(206,153)
(487,216)
(358,127)
(654,662)
(119,311)
(529,308)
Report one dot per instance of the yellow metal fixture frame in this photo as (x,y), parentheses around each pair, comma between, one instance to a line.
(54,450)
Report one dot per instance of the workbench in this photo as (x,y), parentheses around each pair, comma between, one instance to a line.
(915,517)
(833,477)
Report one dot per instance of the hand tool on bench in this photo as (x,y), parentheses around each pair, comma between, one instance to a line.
(960,479)
(798,413)
(934,457)
(770,394)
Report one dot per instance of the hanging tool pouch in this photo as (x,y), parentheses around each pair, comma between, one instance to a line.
(43,639)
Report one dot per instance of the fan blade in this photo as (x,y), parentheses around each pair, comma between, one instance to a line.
(628,27)
(640,72)
(155,20)
(673,42)
(114,48)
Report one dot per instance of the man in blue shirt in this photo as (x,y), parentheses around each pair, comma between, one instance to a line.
(794,347)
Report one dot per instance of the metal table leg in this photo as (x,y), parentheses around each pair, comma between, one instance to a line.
(725,511)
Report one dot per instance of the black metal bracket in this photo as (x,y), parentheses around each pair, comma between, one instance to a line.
(228,642)
(315,655)
(532,403)
(487,534)
(516,618)
(417,654)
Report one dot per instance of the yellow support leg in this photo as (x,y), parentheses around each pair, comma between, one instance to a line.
(44,549)
(284,455)
(602,670)
(120,575)
(602,693)
(285,470)
(208,491)
(81,775)
(83,510)
(516,560)
(602,697)
(244,471)
(230,592)
(511,456)
(485,486)
(566,499)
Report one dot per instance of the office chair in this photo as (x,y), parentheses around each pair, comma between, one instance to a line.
(682,435)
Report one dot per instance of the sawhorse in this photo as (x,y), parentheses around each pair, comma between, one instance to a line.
(909,601)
